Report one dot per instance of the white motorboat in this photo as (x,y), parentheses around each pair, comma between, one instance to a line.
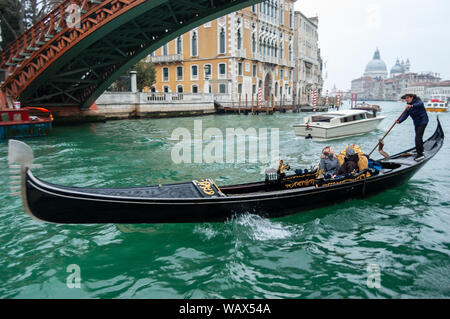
(338,124)
(436,105)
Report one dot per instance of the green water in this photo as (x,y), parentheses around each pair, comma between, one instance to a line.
(318,254)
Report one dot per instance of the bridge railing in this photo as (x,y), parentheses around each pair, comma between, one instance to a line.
(41,32)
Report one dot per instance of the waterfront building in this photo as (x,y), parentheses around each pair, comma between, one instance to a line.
(430,89)
(232,56)
(375,85)
(308,62)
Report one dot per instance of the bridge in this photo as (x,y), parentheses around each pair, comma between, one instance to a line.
(73,54)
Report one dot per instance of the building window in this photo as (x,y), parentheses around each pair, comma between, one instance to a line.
(179,45)
(166,89)
(254,70)
(290,75)
(222,88)
(239,40)
(222,41)
(253,43)
(194,72)
(165,49)
(208,71)
(254,8)
(194,89)
(281,74)
(180,89)
(240,88)
(194,44)
(222,70)
(179,73)
(240,68)
(254,89)
(165,74)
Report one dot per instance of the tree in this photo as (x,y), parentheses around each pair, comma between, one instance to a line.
(16,16)
(145,74)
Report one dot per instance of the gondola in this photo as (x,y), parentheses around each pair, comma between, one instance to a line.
(203,200)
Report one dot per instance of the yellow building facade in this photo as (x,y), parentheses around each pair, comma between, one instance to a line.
(233,56)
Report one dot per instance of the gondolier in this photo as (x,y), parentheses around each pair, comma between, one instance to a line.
(416,110)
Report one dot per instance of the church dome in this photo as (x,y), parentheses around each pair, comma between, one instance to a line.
(397,68)
(376,67)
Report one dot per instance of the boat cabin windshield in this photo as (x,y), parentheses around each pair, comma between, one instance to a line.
(322,118)
(353,118)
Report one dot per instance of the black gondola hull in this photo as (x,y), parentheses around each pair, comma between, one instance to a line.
(55,204)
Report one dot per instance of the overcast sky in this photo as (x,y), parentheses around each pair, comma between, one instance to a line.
(351,30)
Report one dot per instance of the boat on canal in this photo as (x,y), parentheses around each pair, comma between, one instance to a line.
(338,124)
(367,107)
(436,105)
(25,122)
(202,200)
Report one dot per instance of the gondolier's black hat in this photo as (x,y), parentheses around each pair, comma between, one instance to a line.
(409,94)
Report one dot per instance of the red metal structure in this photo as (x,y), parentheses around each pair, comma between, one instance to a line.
(75,52)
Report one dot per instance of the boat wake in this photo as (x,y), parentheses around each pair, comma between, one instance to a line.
(261,229)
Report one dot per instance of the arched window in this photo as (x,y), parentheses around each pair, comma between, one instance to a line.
(239,40)
(194,44)
(222,41)
(179,45)
(253,43)
(290,52)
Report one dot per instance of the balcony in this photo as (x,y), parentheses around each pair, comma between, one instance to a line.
(256,56)
(167,58)
(241,53)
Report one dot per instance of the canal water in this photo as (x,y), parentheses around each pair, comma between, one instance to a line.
(393,245)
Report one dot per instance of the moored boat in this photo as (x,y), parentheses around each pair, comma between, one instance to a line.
(203,200)
(338,124)
(367,107)
(436,105)
(25,122)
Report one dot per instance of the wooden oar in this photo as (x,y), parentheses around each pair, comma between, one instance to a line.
(381,140)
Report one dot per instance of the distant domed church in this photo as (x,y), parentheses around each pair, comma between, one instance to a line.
(376,68)
(400,68)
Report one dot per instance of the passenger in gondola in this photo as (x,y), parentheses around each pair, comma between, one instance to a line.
(282,168)
(350,163)
(329,163)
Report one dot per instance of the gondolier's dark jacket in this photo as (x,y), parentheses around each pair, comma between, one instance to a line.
(417,113)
